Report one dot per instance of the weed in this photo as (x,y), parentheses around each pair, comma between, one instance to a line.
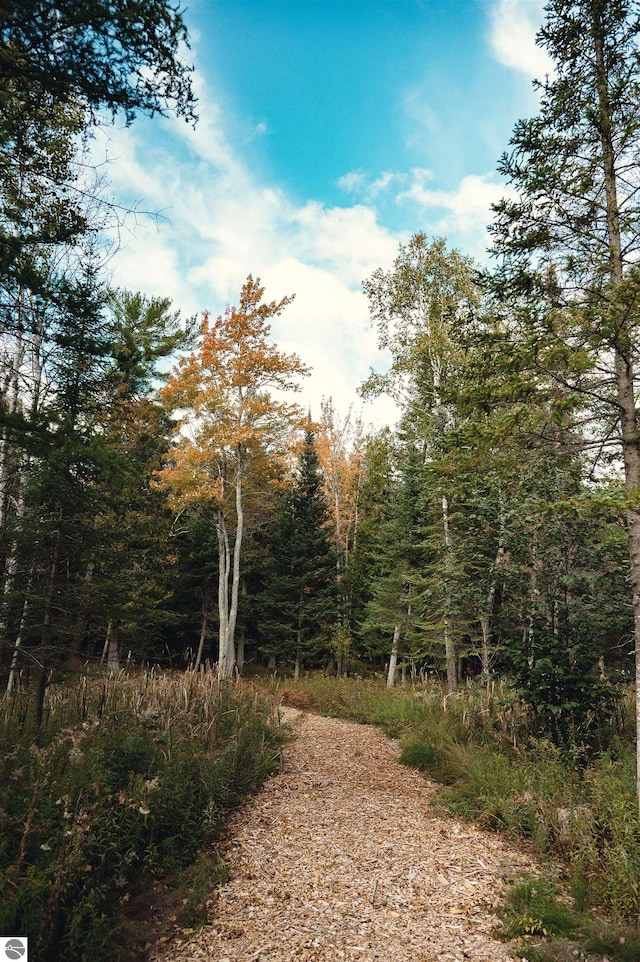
(126,784)
(419,755)
(532,909)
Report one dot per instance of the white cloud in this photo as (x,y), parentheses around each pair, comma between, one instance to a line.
(222,223)
(333,322)
(359,184)
(463,213)
(349,240)
(513,28)
(353,182)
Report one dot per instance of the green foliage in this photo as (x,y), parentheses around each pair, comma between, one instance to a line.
(144,331)
(87,52)
(556,678)
(419,755)
(297,605)
(61,67)
(533,909)
(129,780)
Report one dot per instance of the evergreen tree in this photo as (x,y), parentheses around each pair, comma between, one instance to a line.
(393,613)
(373,506)
(568,243)
(299,601)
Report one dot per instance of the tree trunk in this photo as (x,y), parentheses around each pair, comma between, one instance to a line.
(203,635)
(113,651)
(11,563)
(485,617)
(393,660)
(451,661)
(83,615)
(10,396)
(624,371)
(13,671)
(229,570)
(110,651)
(225,664)
(237,550)
(240,653)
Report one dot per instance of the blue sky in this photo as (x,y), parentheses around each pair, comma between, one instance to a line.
(329,132)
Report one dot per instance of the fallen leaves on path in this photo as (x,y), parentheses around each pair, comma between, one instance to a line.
(341,857)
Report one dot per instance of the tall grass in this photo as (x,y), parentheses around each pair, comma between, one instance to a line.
(126,779)
(582,813)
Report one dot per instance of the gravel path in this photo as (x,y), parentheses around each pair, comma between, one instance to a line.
(341,857)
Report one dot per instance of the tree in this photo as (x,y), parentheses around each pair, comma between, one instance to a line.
(122,56)
(416,306)
(228,422)
(376,498)
(340,443)
(392,608)
(568,244)
(61,65)
(130,571)
(299,598)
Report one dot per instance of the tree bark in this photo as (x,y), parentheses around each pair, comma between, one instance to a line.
(11,562)
(393,660)
(224,669)
(10,394)
(237,551)
(229,578)
(17,647)
(113,649)
(451,660)
(624,371)
(203,634)
(485,617)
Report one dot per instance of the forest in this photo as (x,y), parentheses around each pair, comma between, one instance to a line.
(164,501)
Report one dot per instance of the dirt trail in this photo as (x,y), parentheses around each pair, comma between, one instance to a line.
(341,857)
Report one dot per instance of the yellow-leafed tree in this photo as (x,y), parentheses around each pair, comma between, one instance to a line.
(228,422)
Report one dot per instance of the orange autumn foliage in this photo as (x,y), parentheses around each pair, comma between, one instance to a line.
(340,449)
(222,396)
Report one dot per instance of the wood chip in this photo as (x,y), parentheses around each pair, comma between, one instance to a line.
(341,857)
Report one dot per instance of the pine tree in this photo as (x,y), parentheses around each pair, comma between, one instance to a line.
(568,244)
(299,602)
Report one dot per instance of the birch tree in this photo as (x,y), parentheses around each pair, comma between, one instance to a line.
(415,307)
(227,420)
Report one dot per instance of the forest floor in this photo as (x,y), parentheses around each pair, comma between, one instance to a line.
(342,857)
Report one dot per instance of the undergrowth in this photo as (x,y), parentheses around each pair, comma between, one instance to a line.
(534,911)
(125,782)
(580,812)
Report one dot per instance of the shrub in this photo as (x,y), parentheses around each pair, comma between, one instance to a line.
(127,790)
(419,755)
